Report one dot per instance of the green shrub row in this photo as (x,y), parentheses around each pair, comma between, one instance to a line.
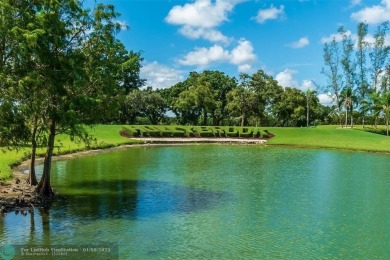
(193,131)
(380,131)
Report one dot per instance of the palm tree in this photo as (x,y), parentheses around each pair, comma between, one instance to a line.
(385,103)
(348,99)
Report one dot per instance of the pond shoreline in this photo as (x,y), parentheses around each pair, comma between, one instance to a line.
(20,196)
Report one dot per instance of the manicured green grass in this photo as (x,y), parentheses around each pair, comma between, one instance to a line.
(106,136)
(330,137)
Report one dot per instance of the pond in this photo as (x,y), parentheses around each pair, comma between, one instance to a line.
(216,201)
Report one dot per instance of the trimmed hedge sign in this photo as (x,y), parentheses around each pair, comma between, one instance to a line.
(194,131)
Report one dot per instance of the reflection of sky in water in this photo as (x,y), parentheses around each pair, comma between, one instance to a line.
(218,202)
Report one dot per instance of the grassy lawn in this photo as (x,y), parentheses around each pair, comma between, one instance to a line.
(330,137)
(106,136)
(320,137)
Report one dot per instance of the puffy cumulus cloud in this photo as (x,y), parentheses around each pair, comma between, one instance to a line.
(200,18)
(302,42)
(272,13)
(205,56)
(201,13)
(286,78)
(242,55)
(160,76)
(307,84)
(325,99)
(373,14)
(204,33)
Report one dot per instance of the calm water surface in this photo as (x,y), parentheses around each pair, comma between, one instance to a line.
(220,202)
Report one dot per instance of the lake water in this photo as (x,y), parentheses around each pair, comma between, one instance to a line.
(216,201)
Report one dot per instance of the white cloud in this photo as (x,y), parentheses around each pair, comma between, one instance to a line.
(325,99)
(242,55)
(201,13)
(373,14)
(200,18)
(160,76)
(355,2)
(286,79)
(204,33)
(205,56)
(302,42)
(245,68)
(271,13)
(337,36)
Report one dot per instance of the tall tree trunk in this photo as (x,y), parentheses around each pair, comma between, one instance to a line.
(32,179)
(44,187)
(387,126)
(346,118)
(307,114)
(351,116)
(243,120)
(363,120)
(204,117)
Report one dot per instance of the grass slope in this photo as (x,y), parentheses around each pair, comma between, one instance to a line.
(320,137)
(330,137)
(106,136)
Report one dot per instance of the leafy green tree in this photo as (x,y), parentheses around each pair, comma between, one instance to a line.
(242,103)
(332,72)
(69,69)
(379,55)
(311,104)
(290,110)
(220,85)
(385,102)
(362,83)
(186,107)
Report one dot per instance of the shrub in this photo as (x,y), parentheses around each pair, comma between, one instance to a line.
(203,131)
(130,131)
(218,131)
(245,132)
(231,132)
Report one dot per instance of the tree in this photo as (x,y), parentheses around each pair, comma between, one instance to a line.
(311,102)
(385,102)
(290,110)
(334,77)
(69,69)
(241,102)
(362,84)
(378,55)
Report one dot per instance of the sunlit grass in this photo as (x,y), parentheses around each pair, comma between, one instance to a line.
(330,137)
(106,136)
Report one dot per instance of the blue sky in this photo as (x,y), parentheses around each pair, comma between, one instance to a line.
(283,38)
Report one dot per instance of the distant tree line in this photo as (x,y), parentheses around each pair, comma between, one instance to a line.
(358,74)
(63,68)
(214,98)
